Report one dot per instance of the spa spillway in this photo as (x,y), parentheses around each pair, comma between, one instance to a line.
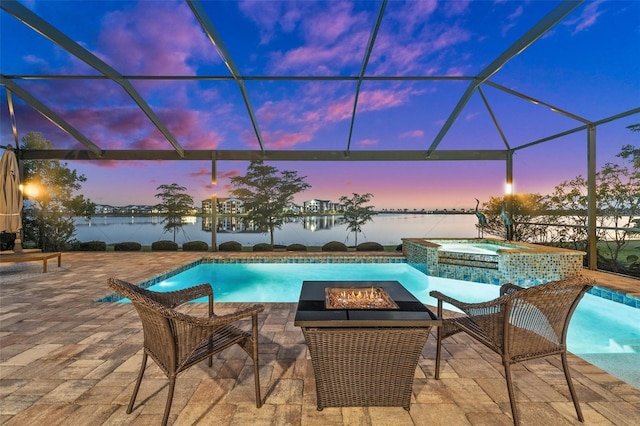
(491,261)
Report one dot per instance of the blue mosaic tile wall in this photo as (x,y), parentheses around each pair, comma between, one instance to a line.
(527,269)
(523,269)
(616,297)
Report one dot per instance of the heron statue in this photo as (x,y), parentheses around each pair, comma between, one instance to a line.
(482,220)
(505,215)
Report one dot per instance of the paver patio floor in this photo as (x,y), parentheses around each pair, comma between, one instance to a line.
(66,359)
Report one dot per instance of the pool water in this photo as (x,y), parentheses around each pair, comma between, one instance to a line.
(603,332)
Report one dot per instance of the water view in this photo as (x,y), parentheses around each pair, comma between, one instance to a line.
(386,229)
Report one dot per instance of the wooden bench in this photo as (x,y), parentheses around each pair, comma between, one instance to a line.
(30,257)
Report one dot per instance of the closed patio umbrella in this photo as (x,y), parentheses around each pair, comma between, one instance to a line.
(10,194)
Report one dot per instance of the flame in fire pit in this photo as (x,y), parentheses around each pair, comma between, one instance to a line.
(358,298)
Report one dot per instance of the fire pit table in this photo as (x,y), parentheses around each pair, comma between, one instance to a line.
(365,338)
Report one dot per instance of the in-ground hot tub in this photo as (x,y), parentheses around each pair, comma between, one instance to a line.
(491,261)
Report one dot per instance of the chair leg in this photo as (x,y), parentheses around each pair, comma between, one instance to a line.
(167,408)
(138,381)
(512,396)
(574,396)
(210,350)
(438,351)
(256,366)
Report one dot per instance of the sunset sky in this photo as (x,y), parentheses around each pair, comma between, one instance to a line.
(588,65)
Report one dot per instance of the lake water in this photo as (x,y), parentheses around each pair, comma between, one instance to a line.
(386,229)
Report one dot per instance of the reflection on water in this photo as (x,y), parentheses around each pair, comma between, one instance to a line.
(318,223)
(231,224)
(386,229)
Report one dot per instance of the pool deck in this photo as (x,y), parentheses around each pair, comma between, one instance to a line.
(68,360)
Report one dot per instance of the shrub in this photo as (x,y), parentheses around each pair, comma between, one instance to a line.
(230,246)
(263,247)
(164,245)
(334,246)
(7,240)
(195,246)
(279,247)
(296,247)
(91,246)
(127,246)
(369,246)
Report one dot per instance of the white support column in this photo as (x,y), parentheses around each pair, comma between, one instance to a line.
(591,197)
(214,202)
(214,218)
(509,192)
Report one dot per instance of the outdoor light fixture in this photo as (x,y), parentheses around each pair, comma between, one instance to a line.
(508,188)
(31,190)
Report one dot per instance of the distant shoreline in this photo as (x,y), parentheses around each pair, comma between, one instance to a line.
(144,214)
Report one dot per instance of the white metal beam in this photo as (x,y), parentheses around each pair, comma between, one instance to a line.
(216,40)
(365,62)
(537,31)
(50,115)
(256,155)
(539,102)
(47,30)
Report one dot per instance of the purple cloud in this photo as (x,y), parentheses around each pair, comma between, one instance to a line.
(368,142)
(587,18)
(369,100)
(471,116)
(333,24)
(271,16)
(201,172)
(412,134)
(229,174)
(408,39)
(511,20)
(189,128)
(282,139)
(375,100)
(331,37)
(458,7)
(154,38)
(449,37)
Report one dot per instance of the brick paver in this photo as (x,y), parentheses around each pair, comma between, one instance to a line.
(67,360)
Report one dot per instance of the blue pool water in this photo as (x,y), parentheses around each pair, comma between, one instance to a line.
(603,332)
(478,248)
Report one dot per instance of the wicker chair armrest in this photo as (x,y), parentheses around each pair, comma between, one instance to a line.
(191,332)
(445,298)
(215,321)
(509,288)
(490,307)
(171,299)
(239,314)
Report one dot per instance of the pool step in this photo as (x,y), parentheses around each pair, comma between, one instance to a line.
(473,261)
(624,345)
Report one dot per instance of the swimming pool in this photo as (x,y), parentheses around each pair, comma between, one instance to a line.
(601,331)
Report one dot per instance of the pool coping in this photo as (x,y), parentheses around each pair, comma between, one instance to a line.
(344,258)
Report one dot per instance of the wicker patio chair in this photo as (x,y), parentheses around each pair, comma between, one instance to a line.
(520,325)
(176,341)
